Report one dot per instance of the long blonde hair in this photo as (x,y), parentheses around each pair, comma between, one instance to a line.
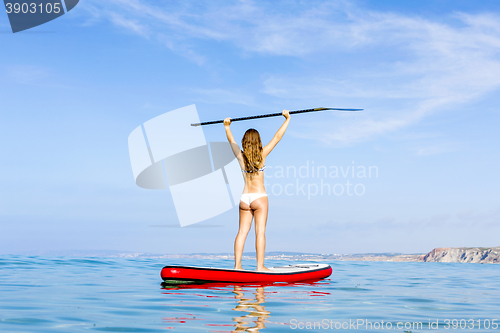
(252,151)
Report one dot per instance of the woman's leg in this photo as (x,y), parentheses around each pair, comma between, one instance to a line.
(260,208)
(246,217)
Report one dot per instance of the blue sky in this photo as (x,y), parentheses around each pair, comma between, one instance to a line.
(427,74)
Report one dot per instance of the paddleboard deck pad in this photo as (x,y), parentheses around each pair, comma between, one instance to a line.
(290,273)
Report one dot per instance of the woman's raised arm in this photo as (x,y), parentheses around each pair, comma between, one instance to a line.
(277,137)
(230,138)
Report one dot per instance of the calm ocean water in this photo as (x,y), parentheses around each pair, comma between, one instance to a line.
(57,294)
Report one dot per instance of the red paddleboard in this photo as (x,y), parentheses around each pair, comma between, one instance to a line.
(290,273)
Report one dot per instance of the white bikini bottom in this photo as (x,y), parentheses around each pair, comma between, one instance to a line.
(249,197)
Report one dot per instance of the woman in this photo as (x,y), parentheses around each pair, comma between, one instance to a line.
(253,203)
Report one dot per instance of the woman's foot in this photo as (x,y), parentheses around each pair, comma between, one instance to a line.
(263,269)
(238,268)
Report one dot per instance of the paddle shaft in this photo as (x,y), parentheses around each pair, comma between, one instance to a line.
(272,115)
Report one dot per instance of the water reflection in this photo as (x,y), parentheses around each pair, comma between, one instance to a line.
(250,299)
(256,313)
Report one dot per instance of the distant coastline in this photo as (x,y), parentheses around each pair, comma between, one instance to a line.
(489,255)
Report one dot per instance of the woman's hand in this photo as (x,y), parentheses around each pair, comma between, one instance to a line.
(227,121)
(286,114)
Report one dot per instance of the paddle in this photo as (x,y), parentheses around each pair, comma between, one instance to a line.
(272,115)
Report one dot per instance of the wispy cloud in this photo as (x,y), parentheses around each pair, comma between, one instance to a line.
(460,219)
(28,74)
(131,25)
(437,149)
(431,65)
(446,66)
(223,96)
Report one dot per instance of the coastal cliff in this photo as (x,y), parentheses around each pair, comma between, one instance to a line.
(488,255)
